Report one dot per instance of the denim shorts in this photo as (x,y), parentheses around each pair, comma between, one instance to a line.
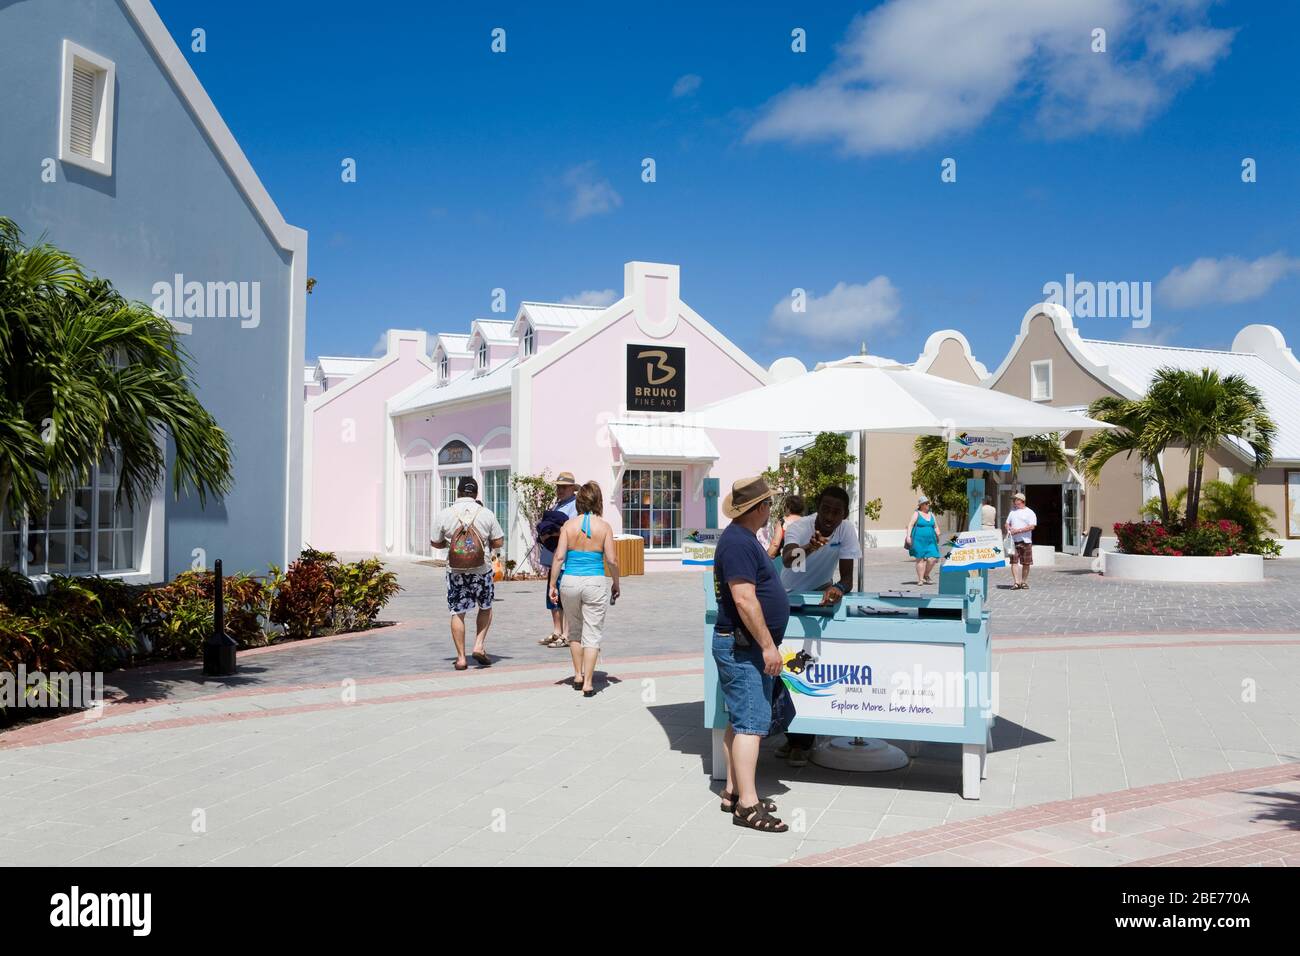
(745,688)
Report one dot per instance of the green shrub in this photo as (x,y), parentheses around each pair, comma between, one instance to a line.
(362,590)
(305,595)
(181,615)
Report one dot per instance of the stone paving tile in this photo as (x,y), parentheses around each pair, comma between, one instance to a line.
(415,781)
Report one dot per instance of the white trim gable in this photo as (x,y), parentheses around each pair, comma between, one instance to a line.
(223,141)
(1269,344)
(934,344)
(1063,325)
(395,336)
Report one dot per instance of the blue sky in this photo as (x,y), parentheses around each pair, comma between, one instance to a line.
(775,170)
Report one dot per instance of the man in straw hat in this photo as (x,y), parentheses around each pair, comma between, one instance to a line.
(1020,525)
(753,611)
(565,507)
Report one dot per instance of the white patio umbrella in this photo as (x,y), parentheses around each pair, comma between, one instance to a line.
(868,394)
(865,393)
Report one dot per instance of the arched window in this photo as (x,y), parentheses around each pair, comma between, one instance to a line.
(482,355)
(455,452)
(529,347)
(444,368)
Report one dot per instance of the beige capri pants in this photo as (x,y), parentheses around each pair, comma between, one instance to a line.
(585,598)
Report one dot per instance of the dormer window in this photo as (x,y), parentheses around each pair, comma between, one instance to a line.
(529,346)
(482,356)
(444,368)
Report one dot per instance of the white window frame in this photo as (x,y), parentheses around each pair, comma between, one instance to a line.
(482,357)
(444,368)
(530,342)
(1033,394)
(101,160)
(136,527)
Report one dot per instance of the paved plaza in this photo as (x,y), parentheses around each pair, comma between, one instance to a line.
(1137,724)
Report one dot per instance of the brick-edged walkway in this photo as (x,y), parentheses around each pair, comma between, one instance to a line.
(1133,827)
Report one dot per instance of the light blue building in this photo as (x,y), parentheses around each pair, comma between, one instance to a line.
(110,149)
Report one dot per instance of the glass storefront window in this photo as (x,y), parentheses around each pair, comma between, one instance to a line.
(652,507)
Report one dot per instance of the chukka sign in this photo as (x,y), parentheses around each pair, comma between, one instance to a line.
(976,550)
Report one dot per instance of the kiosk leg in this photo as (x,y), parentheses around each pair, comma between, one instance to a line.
(972,767)
(719,769)
(984,755)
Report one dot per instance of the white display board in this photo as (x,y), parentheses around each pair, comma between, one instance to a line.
(878,681)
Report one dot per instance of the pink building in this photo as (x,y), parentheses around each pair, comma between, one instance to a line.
(561,387)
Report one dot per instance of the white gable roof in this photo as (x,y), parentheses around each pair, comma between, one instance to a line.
(468,385)
(550,315)
(336,365)
(453,344)
(1135,364)
(494,331)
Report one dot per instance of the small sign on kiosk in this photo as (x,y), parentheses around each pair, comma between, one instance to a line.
(698,545)
(976,550)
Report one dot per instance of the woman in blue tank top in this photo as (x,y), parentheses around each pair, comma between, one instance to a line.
(585,548)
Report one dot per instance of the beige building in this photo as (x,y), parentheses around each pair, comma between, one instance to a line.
(1050,362)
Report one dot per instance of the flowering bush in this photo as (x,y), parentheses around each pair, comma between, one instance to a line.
(1205,539)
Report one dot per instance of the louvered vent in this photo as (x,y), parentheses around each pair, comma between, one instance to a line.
(82,131)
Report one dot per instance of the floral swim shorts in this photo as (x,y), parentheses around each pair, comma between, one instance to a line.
(466,591)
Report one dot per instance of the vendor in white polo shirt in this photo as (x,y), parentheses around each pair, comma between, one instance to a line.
(818,556)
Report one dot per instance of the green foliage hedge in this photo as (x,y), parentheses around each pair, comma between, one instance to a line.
(98,624)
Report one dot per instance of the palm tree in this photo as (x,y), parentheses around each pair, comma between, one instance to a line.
(946,487)
(83,370)
(1202,409)
(1132,436)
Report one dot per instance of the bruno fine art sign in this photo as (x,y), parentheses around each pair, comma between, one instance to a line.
(656,378)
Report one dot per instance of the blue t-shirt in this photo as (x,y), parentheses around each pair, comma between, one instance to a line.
(739,557)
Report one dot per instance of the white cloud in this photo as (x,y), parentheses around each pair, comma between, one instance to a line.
(686,85)
(912,71)
(381,346)
(845,314)
(1218,281)
(589,195)
(591,297)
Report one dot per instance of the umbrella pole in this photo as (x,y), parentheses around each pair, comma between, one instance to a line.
(862,511)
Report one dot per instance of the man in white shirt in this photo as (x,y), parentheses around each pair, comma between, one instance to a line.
(1020,525)
(818,556)
(469,587)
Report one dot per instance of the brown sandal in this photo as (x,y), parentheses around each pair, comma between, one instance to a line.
(729,798)
(756,818)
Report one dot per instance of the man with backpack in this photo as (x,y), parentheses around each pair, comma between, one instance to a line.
(469,532)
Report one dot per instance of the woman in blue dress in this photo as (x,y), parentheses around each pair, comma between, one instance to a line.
(922,540)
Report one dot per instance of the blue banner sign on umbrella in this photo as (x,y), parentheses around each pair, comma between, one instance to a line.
(990,451)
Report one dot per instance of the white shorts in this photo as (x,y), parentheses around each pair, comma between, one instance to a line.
(585,599)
